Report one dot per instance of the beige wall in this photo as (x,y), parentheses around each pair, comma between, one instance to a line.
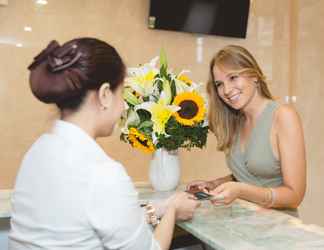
(309,90)
(272,33)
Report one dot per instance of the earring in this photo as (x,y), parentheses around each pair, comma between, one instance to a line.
(257,84)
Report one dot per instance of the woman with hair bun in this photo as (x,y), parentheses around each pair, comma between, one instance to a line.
(263,141)
(69,194)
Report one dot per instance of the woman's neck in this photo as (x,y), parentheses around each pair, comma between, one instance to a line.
(81,120)
(255,107)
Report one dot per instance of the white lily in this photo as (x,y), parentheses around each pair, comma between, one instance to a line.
(161,113)
(166,95)
(141,79)
(182,86)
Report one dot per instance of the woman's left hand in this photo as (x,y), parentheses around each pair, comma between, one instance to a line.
(226,193)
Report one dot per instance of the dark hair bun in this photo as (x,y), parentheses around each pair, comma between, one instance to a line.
(64,74)
(52,78)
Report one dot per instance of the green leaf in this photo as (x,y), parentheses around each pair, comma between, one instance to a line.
(173,89)
(145,124)
(144,115)
(181,136)
(167,91)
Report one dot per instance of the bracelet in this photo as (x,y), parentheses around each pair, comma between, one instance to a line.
(270,198)
(267,199)
(273,197)
(151,216)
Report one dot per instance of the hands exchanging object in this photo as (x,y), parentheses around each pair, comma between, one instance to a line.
(185,203)
(221,192)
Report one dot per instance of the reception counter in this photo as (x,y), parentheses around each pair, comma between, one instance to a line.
(246,226)
(240,226)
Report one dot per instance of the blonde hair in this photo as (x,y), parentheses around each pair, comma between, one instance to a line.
(225,121)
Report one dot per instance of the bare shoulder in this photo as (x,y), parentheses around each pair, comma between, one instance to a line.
(286,116)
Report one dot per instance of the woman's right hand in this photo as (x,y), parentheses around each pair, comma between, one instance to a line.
(200,185)
(184,204)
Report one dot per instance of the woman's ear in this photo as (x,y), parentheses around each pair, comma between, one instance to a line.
(255,80)
(105,96)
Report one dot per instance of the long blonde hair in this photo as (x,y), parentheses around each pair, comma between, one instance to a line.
(225,121)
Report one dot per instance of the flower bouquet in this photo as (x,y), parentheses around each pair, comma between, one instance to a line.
(164,109)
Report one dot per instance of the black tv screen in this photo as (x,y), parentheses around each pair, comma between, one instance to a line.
(215,17)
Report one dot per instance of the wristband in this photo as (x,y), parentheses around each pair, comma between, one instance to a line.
(273,197)
(270,198)
(151,216)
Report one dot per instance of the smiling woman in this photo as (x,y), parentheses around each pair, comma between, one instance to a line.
(235,79)
(263,140)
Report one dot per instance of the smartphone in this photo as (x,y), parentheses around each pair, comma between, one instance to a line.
(203,196)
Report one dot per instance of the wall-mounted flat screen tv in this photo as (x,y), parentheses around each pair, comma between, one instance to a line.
(214,17)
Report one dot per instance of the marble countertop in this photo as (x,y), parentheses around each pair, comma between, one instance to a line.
(5,206)
(246,226)
(240,226)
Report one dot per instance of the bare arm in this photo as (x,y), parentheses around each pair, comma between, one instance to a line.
(181,206)
(293,165)
(291,147)
(219,181)
(292,156)
(164,231)
(210,185)
(224,179)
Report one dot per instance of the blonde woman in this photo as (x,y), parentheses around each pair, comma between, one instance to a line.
(263,140)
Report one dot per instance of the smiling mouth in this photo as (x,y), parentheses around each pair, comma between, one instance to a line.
(234,98)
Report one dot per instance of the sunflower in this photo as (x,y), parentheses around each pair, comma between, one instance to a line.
(140,141)
(192,108)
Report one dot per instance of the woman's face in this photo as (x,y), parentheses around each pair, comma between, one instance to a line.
(235,90)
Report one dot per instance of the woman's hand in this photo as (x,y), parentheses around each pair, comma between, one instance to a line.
(200,185)
(184,204)
(226,193)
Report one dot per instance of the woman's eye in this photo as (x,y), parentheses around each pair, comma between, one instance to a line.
(233,77)
(218,84)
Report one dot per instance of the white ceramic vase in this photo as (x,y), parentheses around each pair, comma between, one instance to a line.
(164,170)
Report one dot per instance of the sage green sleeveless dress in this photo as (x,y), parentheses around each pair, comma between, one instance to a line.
(257,165)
